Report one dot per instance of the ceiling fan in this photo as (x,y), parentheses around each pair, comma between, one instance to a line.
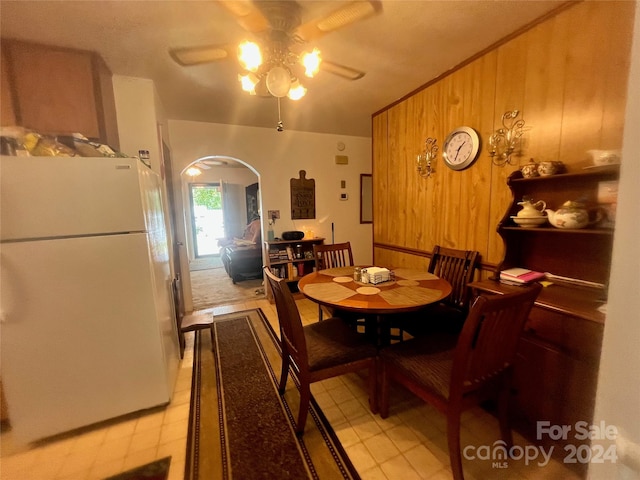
(281,39)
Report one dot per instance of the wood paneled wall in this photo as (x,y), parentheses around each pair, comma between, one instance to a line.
(568,77)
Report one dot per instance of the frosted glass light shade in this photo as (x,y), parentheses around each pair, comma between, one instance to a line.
(297,91)
(311,62)
(250,56)
(278,82)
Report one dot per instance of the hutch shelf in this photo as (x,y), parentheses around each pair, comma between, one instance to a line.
(575,253)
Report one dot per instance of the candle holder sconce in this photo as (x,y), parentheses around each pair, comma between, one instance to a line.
(427,158)
(504,142)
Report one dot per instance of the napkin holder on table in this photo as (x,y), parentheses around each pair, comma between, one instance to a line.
(376,275)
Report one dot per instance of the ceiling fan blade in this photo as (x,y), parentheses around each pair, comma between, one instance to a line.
(341,70)
(198,55)
(246,14)
(343,16)
(203,166)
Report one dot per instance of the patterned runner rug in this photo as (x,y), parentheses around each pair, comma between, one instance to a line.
(158,470)
(239,427)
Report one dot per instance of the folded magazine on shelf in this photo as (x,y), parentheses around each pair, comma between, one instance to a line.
(520,276)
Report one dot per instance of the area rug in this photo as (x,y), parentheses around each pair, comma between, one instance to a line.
(213,287)
(205,263)
(239,426)
(158,470)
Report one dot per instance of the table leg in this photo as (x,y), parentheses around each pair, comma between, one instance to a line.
(383,331)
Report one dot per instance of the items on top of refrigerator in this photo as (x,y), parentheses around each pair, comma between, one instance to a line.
(19,141)
(89,148)
(44,146)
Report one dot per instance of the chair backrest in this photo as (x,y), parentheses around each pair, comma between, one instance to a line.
(488,342)
(457,267)
(333,256)
(291,331)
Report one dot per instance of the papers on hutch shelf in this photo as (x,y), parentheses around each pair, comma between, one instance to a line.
(520,276)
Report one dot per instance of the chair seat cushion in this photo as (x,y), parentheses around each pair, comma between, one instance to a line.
(427,361)
(332,342)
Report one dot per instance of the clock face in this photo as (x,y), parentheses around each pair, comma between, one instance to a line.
(461,148)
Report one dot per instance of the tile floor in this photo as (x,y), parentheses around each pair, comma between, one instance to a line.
(410,444)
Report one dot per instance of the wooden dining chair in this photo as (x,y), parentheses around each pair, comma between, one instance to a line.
(318,351)
(332,256)
(458,267)
(454,374)
(189,322)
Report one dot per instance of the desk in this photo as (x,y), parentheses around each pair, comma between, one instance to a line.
(410,291)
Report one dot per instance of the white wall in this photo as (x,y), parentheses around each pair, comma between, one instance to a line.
(276,157)
(137,114)
(142,126)
(618,395)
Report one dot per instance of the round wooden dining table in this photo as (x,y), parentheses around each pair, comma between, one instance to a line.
(408,291)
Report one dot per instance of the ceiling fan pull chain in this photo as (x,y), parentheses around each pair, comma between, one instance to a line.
(280,126)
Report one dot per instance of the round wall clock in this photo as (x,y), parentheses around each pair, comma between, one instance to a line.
(461,148)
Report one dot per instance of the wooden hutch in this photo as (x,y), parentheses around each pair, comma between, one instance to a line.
(556,372)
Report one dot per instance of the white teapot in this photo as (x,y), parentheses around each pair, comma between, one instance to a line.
(572,215)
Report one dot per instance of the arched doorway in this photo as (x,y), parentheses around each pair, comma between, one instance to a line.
(218,198)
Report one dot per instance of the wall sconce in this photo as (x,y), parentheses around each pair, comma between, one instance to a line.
(505,140)
(426,159)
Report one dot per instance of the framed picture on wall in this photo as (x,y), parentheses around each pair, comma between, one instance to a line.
(366,198)
(303,197)
(251,193)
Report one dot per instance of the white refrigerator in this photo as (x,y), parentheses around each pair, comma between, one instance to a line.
(87,328)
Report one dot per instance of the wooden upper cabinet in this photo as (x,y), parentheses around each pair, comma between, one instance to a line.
(7,113)
(59,91)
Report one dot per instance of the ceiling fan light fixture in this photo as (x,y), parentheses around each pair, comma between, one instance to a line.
(249,56)
(278,81)
(297,91)
(311,62)
(193,171)
(212,162)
